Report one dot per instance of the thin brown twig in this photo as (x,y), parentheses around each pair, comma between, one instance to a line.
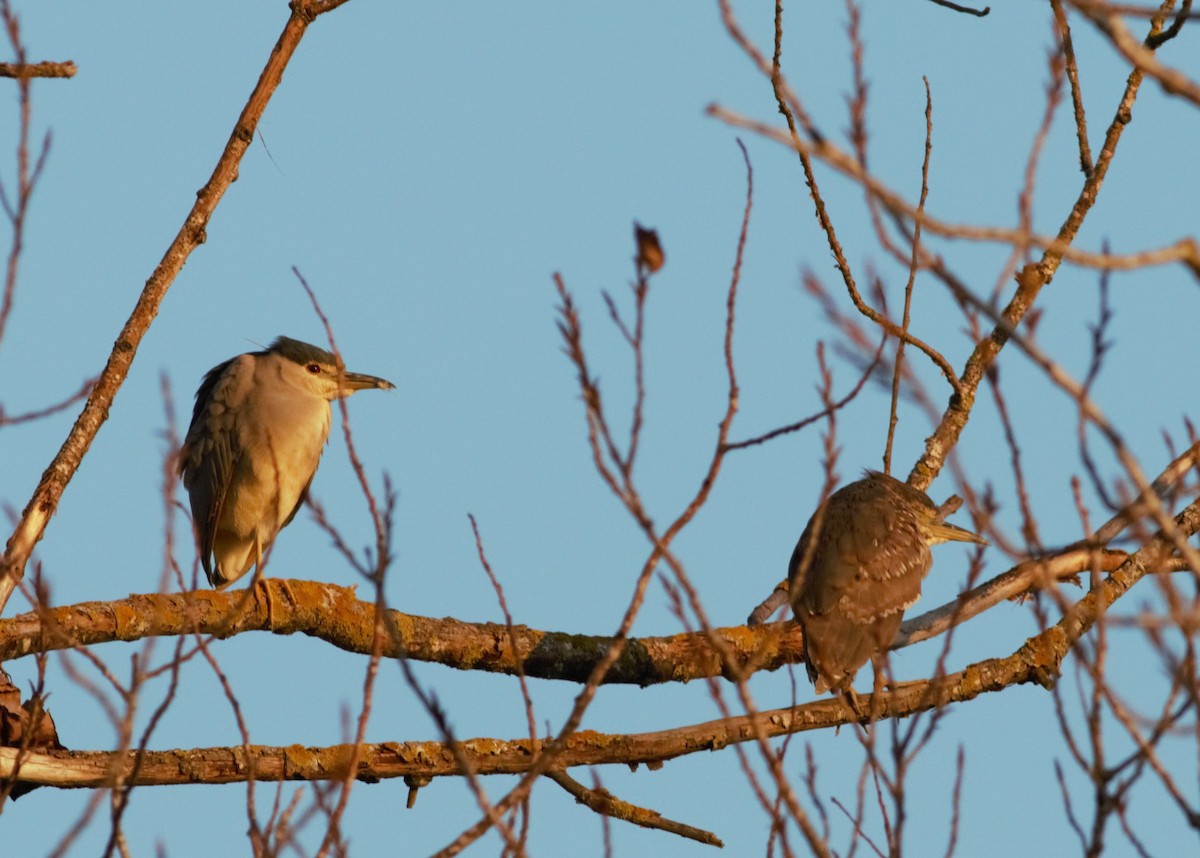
(255,831)
(828,411)
(1030,282)
(469,766)
(1185,12)
(635,340)
(1072,67)
(912,277)
(31,416)
(1029,530)
(122,793)
(379,518)
(376,573)
(966,10)
(526,697)
(605,803)
(1146,12)
(1058,248)
(1020,250)
(715,692)
(17,208)
(789,106)
(732,669)
(960,767)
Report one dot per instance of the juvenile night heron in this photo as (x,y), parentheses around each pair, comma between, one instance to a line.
(258,429)
(850,589)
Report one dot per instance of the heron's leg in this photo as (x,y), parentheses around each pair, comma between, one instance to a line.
(882,681)
(851,700)
(260,582)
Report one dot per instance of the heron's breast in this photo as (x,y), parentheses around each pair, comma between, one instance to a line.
(282,446)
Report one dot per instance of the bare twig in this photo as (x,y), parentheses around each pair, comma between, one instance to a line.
(1072,68)
(605,803)
(908,287)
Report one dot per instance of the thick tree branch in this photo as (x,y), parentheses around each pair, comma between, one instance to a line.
(335,615)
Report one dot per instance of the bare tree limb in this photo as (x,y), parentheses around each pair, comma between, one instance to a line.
(44,502)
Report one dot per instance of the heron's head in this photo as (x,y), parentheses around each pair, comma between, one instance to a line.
(935,530)
(930,521)
(319,372)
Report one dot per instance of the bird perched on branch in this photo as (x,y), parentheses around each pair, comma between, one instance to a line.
(258,429)
(857,567)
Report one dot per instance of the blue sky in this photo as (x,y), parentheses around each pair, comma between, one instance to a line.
(427,167)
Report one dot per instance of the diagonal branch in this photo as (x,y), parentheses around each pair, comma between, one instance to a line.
(42,505)
(605,803)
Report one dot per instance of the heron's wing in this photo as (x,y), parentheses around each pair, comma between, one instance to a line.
(798,565)
(212,450)
(869,560)
(864,571)
(892,559)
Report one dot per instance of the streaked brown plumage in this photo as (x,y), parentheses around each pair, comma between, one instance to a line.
(850,589)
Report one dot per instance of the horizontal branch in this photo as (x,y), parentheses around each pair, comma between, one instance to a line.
(384,760)
(334,615)
(43,69)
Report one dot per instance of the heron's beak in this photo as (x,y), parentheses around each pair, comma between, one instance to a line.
(352,381)
(942,531)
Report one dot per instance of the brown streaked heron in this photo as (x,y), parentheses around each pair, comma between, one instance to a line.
(850,587)
(258,429)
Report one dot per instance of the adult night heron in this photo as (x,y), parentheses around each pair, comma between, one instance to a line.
(258,429)
(849,589)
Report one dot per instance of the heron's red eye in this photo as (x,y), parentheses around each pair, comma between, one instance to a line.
(314,368)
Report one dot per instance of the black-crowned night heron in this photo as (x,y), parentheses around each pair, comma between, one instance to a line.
(850,589)
(258,429)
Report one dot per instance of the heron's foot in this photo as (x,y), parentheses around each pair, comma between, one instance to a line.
(286,587)
(851,699)
(263,587)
